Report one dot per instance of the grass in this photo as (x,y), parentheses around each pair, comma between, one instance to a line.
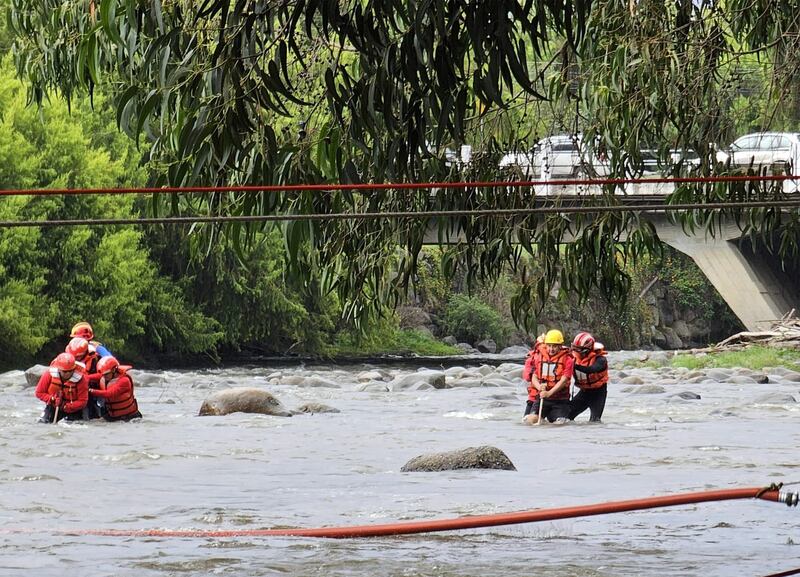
(754,357)
(395,342)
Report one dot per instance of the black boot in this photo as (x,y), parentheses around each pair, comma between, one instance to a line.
(48,414)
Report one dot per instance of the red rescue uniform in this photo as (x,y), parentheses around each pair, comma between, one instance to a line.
(118,392)
(74,392)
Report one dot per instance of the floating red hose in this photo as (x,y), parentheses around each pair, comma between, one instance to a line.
(473,522)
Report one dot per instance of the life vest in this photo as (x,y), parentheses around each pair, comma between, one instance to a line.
(125,404)
(89,362)
(550,369)
(530,361)
(68,390)
(590,380)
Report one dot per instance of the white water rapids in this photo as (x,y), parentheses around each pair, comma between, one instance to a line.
(175,470)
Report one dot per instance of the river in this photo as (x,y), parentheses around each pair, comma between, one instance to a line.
(175,470)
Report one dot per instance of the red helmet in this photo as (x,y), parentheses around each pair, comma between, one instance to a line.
(78,347)
(64,362)
(107,364)
(82,329)
(583,341)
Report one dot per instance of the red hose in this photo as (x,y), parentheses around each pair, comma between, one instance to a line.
(393,185)
(472,522)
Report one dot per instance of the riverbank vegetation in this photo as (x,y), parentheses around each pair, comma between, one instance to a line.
(754,357)
(167,292)
(214,97)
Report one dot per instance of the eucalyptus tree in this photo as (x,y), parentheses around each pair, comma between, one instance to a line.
(261,92)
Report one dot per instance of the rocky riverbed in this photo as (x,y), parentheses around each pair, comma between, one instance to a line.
(665,430)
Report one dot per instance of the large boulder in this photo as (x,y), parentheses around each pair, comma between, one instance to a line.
(487,346)
(517,350)
(33,374)
(484,457)
(673,340)
(412,381)
(243,400)
(415,318)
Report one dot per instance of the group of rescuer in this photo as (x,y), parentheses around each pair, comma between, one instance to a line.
(549,371)
(86,382)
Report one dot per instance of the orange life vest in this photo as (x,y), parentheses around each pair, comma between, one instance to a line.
(88,364)
(68,390)
(550,369)
(530,360)
(124,405)
(590,380)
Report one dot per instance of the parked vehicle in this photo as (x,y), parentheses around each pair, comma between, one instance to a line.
(651,162)
(780,150)
(520,163)
(557,156)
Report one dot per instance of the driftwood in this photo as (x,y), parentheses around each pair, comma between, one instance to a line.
(783,333)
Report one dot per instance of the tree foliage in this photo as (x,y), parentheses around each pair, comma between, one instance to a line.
(51,278)
(304,91)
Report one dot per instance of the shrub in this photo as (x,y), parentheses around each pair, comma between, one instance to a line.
(471,320)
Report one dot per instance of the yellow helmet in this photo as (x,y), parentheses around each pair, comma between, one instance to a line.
(554,337)
(83,330)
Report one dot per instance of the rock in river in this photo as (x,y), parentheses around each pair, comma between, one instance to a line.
(484,457)
(243,400)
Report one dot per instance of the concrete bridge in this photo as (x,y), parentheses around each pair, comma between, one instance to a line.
(753,283)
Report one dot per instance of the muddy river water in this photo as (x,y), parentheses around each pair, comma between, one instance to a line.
(175,470)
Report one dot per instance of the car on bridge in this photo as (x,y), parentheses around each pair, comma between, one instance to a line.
(778,150)
(558,156)
(653,163)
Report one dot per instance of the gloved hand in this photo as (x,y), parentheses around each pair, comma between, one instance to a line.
(56,400)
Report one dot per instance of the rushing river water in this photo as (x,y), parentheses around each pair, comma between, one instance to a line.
(175,470)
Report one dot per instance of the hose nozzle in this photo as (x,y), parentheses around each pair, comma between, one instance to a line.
(791,499)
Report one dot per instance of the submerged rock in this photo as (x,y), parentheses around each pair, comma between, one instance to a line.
(484,457)
(316,408)
(243,400)
(774,398)
(687,396)
(683,396)
(645,390)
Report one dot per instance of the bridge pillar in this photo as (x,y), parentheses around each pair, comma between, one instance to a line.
(756,294)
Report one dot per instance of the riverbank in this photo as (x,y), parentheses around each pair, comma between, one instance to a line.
(755,357)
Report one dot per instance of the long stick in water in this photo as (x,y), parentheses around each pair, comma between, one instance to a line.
(541,406)
(55,415)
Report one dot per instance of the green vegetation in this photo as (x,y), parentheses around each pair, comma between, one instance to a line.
(470,320)
(388,339)
(302,91)
(319,104)
(53,277)
(753,357)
